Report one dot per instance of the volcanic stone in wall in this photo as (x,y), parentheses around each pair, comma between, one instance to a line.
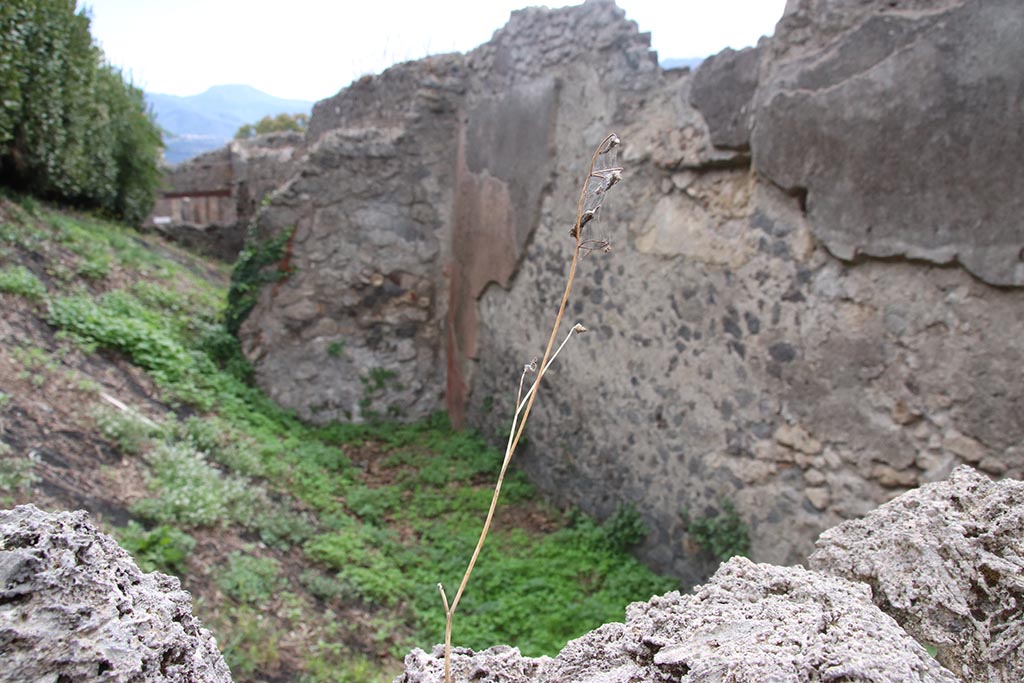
(723,91)
(354,329)
(902,123)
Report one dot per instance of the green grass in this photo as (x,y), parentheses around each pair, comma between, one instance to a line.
(241,460)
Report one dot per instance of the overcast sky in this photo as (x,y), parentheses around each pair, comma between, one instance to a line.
(310,49)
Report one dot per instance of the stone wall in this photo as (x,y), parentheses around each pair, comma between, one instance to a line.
(207,203)
(792,318)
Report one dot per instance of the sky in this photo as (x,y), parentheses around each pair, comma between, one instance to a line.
(310,49)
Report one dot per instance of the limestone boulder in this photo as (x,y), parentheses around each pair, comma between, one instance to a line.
(749,623)
(947,562)
(75,608)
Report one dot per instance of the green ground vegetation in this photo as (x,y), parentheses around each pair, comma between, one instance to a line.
(722,534)
(366,516)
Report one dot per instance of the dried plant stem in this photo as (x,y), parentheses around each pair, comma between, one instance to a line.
(516,434)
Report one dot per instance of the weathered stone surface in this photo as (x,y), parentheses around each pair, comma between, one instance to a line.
(206,203)
(75,608)
(500,664)
(723,91)
(903,129)
(947,562)
(749,624)
(356,329)
(731,355)
(456,149)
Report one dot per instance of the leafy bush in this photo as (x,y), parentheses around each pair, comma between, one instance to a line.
(118,321)
(71,127)
(163,548)
(326,587)
(283,529)
(251,273)
(274,124)
(21,281)
(189,491)
(247,639)
(723,535)
(359,554)
(248,579)
(130,431)
(625,529)
(17,474)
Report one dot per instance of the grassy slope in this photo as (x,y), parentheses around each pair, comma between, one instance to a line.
(313,553)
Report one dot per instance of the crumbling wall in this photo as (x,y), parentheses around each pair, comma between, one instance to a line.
(733,355)
(207,203)
(739,351)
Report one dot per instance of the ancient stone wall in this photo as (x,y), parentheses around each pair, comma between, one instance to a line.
(733,355)
(207,203)
(791,318)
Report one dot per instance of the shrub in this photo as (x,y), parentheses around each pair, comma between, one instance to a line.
(71,127)
(130,431)
(163,548)
(283,529)
(356,553)
(326,587)
(17,474)
(189,491)
(117,320)
(251,580)
(625,529)
(274,124)
(723,535)
(21,281)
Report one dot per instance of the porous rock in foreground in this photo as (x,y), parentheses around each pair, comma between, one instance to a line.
(947,562)
(74,607)
(750,623)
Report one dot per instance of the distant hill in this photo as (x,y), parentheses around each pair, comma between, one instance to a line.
(199,123)
(691,62)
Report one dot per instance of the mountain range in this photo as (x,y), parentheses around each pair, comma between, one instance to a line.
(199,123)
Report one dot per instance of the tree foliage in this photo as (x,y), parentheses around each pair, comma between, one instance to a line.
(71,127)
(274,124)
